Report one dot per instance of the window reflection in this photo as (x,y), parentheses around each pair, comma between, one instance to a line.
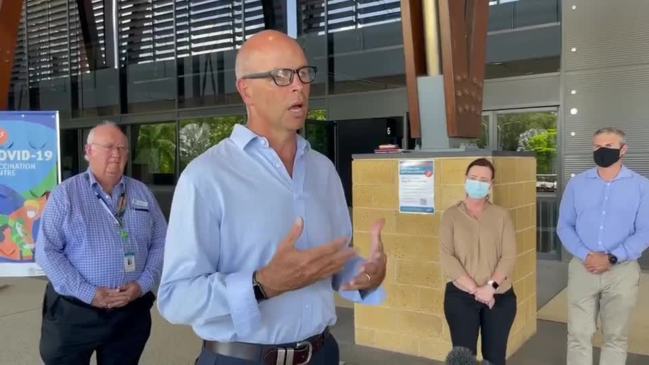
(95,93)
(483,141)
(536,131)
(153,148)
(69,145)
(207,79)
(344,39)
(150,86)
(532,132)
(320,132)
(199,134)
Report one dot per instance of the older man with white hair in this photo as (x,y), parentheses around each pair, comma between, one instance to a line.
(101,245)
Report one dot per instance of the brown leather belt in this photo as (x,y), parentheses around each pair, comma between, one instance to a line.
(298,353)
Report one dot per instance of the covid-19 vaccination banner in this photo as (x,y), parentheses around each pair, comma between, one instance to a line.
(29,170)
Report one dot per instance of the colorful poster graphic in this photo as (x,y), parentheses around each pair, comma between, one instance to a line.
(417,186)
(29,170)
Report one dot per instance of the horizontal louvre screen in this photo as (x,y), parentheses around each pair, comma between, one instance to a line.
(155,30)
(346,14)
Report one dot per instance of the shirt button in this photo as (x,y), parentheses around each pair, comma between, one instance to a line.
(599,243)
(604,213)
(601,227)
(605,197)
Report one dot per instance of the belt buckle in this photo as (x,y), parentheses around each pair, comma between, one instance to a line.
(305,345)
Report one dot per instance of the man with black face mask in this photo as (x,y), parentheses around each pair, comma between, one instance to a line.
(604,224)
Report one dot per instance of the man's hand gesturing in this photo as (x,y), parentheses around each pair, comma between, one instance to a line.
(372,272)
(291,269)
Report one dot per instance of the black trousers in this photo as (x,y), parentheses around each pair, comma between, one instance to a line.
(466,317)
(72,330)
(329,354)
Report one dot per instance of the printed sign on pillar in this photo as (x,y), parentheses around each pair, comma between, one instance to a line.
(29,170)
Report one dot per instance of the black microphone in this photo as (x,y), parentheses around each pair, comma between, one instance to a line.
(461,356)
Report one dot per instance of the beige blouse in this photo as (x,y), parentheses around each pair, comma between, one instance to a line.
(478,248)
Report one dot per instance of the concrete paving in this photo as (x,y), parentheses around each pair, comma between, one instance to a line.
(20,318)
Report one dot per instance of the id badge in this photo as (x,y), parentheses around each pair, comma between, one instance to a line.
(129,262)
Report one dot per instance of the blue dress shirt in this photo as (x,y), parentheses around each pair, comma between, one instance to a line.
(232,207)
(79,244)
(602,216)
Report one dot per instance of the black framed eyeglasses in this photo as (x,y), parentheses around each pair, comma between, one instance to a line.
(284,76)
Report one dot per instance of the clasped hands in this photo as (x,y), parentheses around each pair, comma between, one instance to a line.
(108,298)
(485,295)
(597,262)
(292,269)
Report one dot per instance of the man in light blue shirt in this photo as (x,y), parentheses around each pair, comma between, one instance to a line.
(604,224)
(101,245)
(259,228)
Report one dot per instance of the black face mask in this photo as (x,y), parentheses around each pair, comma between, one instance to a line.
(605,157)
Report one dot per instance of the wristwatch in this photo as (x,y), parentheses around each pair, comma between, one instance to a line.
(493,284)
(260,294)
(612,259)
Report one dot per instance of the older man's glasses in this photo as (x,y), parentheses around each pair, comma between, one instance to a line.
(284,76)
(110,148)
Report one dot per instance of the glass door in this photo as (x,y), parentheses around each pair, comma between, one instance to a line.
(535,131)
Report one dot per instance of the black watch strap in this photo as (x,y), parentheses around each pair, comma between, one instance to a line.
(260,294)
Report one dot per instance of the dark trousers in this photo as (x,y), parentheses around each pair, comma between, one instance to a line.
(328,355)
(72,330)
(466,317)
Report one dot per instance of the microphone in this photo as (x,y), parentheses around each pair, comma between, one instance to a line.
(461,356)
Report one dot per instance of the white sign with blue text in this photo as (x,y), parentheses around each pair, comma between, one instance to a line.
(417,186)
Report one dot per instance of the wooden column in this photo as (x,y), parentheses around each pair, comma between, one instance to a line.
(463,30)
(10,11)
(414,48)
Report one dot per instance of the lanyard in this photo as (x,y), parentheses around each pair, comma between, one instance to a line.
(118,217)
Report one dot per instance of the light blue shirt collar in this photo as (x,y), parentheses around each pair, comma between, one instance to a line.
(95,184)
(624,173)
(242,136)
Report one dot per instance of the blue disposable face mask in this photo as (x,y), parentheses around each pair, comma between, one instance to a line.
(476,189)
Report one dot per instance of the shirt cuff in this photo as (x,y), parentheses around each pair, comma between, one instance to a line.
(374,296)
(620,253)
(86,293)
(581,253)
(244,308)
(145,284)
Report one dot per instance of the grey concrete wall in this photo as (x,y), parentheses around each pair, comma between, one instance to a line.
(604,79)
(522,92)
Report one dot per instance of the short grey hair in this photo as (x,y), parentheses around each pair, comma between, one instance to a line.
(611,130)
(91,133)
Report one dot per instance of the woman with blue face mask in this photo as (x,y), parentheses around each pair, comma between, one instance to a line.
(478,250)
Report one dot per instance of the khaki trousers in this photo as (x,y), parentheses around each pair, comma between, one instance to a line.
(610,296)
